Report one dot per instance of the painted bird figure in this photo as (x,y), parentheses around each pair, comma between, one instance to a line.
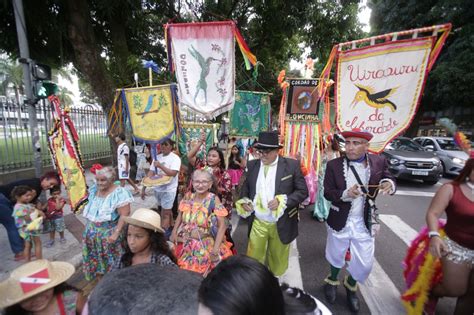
(205,65)
(377,100)
(149,105)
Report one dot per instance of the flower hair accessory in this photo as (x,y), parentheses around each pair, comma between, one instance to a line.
(96,167)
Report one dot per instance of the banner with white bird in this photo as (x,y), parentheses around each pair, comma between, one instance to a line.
(379,80)
(204,63)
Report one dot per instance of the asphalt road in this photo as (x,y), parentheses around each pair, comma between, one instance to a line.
(404,216)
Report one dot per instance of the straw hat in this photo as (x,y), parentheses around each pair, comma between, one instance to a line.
(145,218)
(32,278)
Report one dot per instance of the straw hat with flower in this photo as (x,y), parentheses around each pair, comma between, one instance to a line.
(145,218)
(33,278)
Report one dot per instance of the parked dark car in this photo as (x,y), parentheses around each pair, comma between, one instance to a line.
(408,160)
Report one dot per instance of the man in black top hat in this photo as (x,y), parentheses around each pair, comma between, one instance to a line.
(270,196)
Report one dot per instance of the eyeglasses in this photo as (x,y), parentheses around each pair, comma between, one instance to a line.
(201,182)
(264,151)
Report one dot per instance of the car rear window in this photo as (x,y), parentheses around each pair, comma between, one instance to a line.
(449,145)
(406,145)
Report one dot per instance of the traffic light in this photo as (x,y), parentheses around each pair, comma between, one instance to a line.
(40,81)
(40,71)
(43,89)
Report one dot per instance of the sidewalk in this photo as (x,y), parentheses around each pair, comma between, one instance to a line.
(71,251)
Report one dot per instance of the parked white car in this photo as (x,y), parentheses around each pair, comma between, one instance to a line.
(452,157)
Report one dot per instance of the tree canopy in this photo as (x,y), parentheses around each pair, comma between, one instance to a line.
(105,40)
(450,82)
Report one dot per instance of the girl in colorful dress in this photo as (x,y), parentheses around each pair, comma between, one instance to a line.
(146,242)
(48,296)
(102,237)
(200,227)
(24,213)
(236,166)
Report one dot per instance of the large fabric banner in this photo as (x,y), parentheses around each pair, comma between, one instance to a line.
(151,111)
(63,143)
(378,87)
(250,115)
(203,59)
(190,135)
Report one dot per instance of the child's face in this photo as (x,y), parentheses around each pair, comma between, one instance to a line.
(138,239)
(235,150)
(26,197)
(38,302)
(56,194)
(32,195)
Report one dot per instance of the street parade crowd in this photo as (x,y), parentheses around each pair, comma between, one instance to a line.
(190,228)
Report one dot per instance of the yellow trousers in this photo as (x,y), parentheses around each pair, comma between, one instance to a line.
(265,246)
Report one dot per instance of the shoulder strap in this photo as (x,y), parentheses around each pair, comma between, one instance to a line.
(59,300)
(362,187)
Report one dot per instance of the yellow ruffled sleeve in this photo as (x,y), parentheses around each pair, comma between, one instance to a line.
(281,206)
(239,206)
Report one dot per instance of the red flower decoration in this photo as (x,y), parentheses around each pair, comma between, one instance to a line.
(96,167)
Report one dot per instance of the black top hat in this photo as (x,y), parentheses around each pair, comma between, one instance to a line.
(268,140)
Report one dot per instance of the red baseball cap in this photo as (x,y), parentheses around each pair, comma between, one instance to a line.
(357,133)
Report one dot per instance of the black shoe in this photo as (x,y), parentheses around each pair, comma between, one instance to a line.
(330,292)
(352,300)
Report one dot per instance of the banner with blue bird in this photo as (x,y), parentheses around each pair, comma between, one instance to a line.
(250,115)
(151,112)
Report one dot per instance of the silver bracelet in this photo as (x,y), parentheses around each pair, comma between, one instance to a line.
(433,233)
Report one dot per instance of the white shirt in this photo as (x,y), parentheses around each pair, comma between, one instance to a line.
(171,161)
(122,150)
(357,207)
(267,194)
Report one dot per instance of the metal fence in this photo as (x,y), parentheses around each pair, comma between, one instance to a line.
(16,149)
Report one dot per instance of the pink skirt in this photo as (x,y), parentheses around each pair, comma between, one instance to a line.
(235,175)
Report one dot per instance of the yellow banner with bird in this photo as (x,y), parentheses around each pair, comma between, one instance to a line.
(151,112)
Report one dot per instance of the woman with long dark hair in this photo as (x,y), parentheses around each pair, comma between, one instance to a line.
(236,166)
(146,242)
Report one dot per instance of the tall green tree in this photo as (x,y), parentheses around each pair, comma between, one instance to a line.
(105,40)
(12,73)
(65,96)
(451,81)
